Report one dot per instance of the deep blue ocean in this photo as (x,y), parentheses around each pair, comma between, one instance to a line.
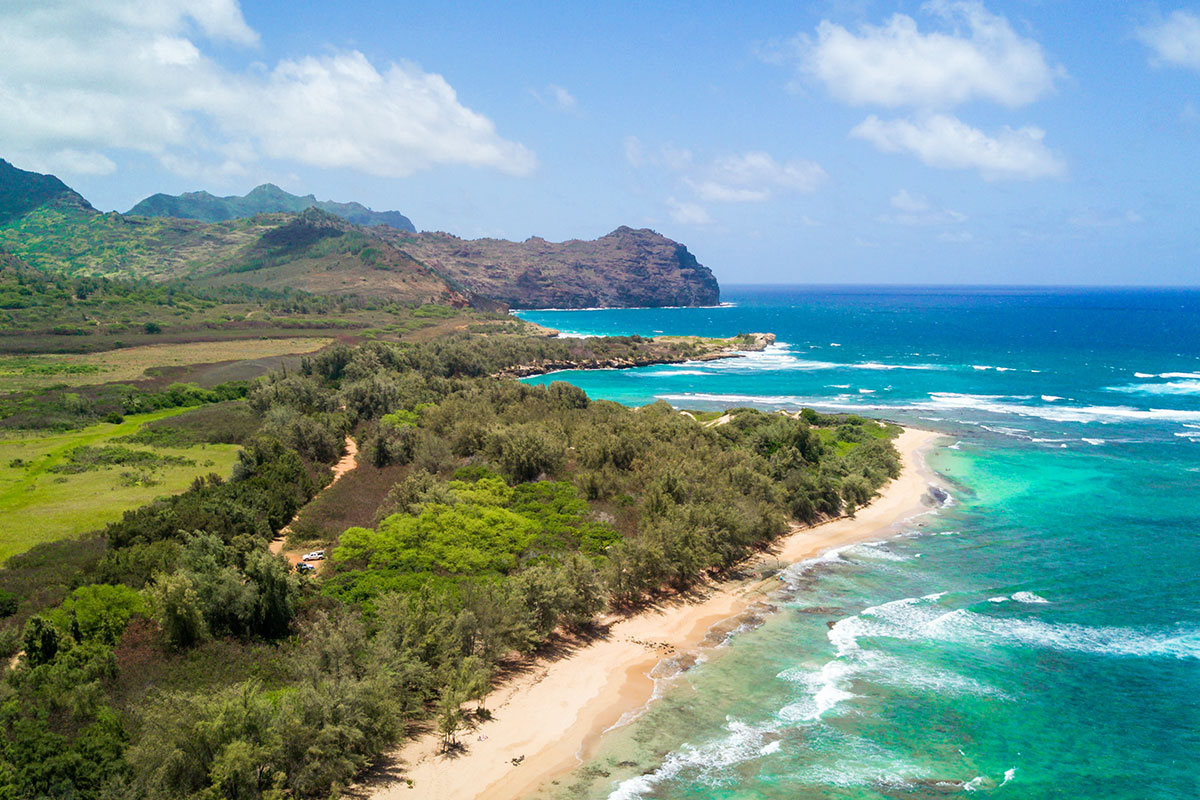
(1037,637)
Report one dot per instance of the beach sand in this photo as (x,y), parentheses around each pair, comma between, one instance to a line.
(554,713)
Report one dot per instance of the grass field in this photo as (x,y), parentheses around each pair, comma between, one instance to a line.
(41,503)
(19,373)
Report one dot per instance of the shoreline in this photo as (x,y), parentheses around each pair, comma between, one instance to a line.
(554,714)
(719,348)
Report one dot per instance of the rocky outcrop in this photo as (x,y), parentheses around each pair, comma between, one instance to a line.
(265,199)
(626,268)
(658,350)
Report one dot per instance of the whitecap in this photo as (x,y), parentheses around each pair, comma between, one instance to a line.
(1168,375)
(1029,597)
(916,618)
(866,391)
(1093,442)
(975,784)
(943,401)
(1183,387)
(712,761)
(1050,398)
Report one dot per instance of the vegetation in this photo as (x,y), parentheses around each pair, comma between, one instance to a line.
(173,656)
(61,312)
(63,485)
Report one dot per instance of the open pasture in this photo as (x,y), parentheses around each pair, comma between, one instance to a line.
(46,495)
(18,373)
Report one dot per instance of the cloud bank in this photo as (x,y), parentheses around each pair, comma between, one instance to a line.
(896,65)
(942,140)
(975,56)
(82,78)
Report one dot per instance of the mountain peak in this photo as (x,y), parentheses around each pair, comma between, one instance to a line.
(266,198)
(22,191)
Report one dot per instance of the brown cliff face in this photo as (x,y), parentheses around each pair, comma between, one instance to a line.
(626,268)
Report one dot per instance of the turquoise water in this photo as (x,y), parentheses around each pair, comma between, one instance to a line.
(1037,637)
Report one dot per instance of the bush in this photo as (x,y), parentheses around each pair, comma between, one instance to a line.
(526,451)
(8,603)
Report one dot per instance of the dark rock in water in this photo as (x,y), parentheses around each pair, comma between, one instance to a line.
(935,496)
(823,610)
(921,787)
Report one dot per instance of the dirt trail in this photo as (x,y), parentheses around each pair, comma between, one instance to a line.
(345,464)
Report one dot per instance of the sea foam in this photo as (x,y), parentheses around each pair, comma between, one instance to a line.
(943,401)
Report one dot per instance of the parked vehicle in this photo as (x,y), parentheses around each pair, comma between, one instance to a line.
(301,567)
(315,555)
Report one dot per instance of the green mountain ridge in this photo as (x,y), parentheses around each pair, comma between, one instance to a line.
(22,191)
(265,199)
(52,228)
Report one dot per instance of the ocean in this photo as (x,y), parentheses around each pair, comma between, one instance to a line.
(1036,637)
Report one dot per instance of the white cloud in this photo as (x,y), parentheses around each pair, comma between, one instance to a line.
(754,177)
(557,97)
(895,64)
(915,209)
(1174,41)
(562,98)
(91,76)
(944,141)
(688,213)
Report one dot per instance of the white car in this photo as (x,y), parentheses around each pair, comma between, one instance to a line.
(315,555)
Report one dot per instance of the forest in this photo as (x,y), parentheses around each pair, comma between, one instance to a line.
(171,655)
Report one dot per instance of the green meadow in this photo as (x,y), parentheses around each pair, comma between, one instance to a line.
(47,494)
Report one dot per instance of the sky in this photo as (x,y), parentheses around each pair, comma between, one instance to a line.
(943,142)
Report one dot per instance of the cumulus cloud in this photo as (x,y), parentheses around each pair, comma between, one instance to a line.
(1174,41)
(915,209)
(895,64)
(82,77)
(944,141)
(754,177)
(687,213)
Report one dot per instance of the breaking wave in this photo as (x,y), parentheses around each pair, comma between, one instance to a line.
(943,401)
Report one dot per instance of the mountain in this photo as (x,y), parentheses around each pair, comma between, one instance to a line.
(22,192)
(626,268)
(265,199)
(52,228)
(318,252)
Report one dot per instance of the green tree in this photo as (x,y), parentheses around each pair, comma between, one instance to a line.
(177,610)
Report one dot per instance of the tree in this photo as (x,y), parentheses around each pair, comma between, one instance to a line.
(42,640)
(177,610)
(100,611)
(450,716)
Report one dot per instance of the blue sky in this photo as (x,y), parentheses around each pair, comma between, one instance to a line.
(949,141)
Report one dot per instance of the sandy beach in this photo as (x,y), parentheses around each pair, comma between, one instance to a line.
(554,713)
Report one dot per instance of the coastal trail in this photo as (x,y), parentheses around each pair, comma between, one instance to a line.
(347,463)
(555,712)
